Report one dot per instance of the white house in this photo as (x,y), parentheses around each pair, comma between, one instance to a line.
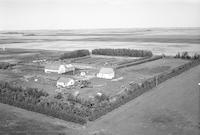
(106,73)
(65,82)
(60,69)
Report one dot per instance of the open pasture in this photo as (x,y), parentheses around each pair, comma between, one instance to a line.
(100,61)
(154,67)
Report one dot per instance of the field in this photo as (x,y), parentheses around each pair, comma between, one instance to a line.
(136,74)
(16,121)
(107,61)
(158,40)
(25,72)
(155,112)
(169,109)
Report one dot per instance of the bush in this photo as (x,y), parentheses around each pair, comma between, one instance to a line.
(196,56)
(123,52)
(185,55)
(5,65)
(75,54)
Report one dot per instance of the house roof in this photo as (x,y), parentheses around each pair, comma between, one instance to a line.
(106,71)
(64,79)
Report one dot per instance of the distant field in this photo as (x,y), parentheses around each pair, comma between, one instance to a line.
(159,41)
(102,60)
(154,67)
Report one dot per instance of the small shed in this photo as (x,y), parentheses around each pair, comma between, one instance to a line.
(65,82)
(106,73)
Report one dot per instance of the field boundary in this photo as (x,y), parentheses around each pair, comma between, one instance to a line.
(139,61)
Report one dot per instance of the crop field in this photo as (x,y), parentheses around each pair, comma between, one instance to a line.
(100,61)
(159,41)
(154,67)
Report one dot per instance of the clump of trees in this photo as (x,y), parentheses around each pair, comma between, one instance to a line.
(185,55)
(75,54)
(123,52)
(5,65)
(39,101)
(196,56)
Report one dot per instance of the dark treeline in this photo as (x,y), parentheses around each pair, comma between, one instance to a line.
(5,65)
(122,52)
(75,54)
(185,55)
(39,101)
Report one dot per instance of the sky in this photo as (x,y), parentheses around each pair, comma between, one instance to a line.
(93,14)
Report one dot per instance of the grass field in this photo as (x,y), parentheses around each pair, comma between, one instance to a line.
(110,61)
(154,67)
(16,121)
(169,109)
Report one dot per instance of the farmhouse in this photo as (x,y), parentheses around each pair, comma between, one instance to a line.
(107,73)
(60,69)
(65,82)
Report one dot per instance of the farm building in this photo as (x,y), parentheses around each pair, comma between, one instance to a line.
(60,69)
(65,82)
(107,73)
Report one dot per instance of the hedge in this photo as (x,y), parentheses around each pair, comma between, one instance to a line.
(139,62)
(122,52)
(75,54)
(38,101)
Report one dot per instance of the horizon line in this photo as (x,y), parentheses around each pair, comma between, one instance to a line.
(188,27)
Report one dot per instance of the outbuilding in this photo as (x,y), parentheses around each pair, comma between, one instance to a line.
(65,82)
(106,73)
(56,68)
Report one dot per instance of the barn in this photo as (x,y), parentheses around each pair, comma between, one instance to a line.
(56,68)
(106,73)
(65,82)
